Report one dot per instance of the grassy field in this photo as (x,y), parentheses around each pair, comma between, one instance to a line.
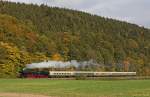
(77,88)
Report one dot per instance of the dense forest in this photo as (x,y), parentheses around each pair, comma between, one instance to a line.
(31,33)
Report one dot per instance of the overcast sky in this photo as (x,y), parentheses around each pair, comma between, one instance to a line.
(134,11)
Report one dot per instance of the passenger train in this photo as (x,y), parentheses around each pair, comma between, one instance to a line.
(63,74)
(52,69)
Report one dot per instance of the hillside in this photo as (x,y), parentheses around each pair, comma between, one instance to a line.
(43,33)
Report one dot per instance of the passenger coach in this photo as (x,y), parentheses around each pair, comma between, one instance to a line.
(89,74)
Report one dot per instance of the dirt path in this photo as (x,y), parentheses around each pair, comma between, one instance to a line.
(20,95)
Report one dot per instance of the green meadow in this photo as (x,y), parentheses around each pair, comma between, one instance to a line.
(77,88)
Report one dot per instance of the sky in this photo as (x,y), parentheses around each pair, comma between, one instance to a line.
(133,11)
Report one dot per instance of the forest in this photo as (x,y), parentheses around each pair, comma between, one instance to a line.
(34,33)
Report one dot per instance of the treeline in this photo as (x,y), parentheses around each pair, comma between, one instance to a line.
(32,33)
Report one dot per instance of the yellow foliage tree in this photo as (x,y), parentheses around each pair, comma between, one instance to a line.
(126,63)
(14,60)
(57,57)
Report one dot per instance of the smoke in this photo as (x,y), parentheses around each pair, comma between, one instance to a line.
(59,64)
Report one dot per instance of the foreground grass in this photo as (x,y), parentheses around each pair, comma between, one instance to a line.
(77,88)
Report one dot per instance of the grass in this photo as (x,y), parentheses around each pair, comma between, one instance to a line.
(77,88)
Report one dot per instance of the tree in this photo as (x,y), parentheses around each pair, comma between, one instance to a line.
(57,57)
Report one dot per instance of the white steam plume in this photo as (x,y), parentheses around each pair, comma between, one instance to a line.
(58,64)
